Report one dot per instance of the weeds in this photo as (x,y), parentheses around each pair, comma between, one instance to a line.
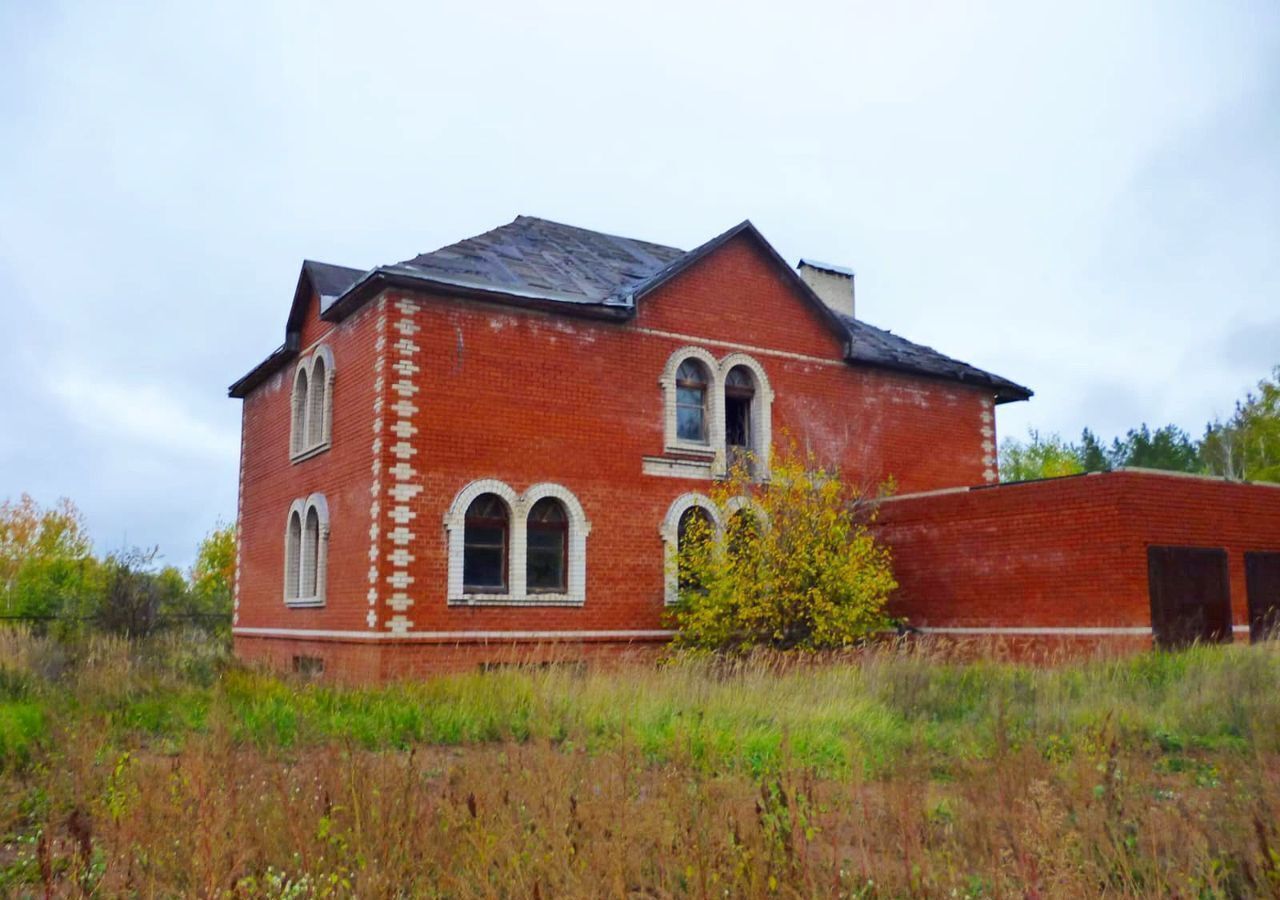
(162,768)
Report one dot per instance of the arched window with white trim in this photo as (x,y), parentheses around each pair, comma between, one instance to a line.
(692,417)
(485,542)
(298,426)
(306,552)
(675,527)
(316,406)
(539,538)
(311,423)
(547,548)
(293,555)
(748,413)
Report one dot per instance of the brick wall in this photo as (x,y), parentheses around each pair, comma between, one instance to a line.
(433,393)
(1067,555)
(270,482)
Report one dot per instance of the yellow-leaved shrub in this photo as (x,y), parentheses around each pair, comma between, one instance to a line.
(794,567)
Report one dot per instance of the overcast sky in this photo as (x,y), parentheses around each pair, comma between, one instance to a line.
(1084,197)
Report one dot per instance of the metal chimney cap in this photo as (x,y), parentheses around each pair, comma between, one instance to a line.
(827,267)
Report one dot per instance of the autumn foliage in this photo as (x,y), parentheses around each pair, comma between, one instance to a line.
(791,566)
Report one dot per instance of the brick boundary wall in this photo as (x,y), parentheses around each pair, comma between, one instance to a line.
(1062,563)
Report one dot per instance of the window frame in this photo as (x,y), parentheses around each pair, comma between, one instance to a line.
(703,388)
(295,561)
(518,592)
(669,531)
(504,524)
(713,413)
(302,446)
(560,528)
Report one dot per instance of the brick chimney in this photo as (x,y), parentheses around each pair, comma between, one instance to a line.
(833,284)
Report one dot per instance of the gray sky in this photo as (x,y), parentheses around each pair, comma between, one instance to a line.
(1084,197)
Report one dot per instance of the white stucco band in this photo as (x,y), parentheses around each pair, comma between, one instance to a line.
(518,506)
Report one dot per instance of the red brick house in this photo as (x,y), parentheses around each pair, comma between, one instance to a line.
(492,446)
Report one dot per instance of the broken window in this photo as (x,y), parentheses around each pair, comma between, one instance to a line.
(546,556)
(691,401)
(739,396)
(484,546)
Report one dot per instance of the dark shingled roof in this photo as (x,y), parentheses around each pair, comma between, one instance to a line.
(537,258)
(551,265)
(878,347)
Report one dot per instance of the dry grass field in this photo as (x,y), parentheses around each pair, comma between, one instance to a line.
(163,769)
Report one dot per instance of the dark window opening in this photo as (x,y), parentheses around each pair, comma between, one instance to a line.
(741,531)
(739,395)
(686,532)
(484,546)
(691,401)
(547,554)
(308,666)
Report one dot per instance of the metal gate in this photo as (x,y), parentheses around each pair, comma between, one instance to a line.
(1262,576)
(1190,595)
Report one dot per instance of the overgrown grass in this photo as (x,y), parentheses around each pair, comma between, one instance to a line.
(743,765)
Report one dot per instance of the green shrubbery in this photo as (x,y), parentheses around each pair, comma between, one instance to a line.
(50,579)
(796,567)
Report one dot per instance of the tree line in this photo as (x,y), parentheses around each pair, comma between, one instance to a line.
(1243,447)
(51,579)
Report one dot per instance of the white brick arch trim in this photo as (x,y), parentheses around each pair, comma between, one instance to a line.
(715,404)
(518,505)
(670,532)
(311,423)
(296,554)
(761,408)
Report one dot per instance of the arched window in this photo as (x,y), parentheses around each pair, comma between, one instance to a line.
(310,553)
(748,413)
(675,530)
(317,409)
(486,538)
(547,553)
(740,531)
(298,429)
(292,556)
(691,402)
(516,549)
(696,525)
(306,542)
(739,395)
(312,417)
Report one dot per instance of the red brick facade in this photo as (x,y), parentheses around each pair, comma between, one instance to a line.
(437,396)
(431,393)
(1066,559)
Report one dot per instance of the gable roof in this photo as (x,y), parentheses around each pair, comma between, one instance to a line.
(550,265)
